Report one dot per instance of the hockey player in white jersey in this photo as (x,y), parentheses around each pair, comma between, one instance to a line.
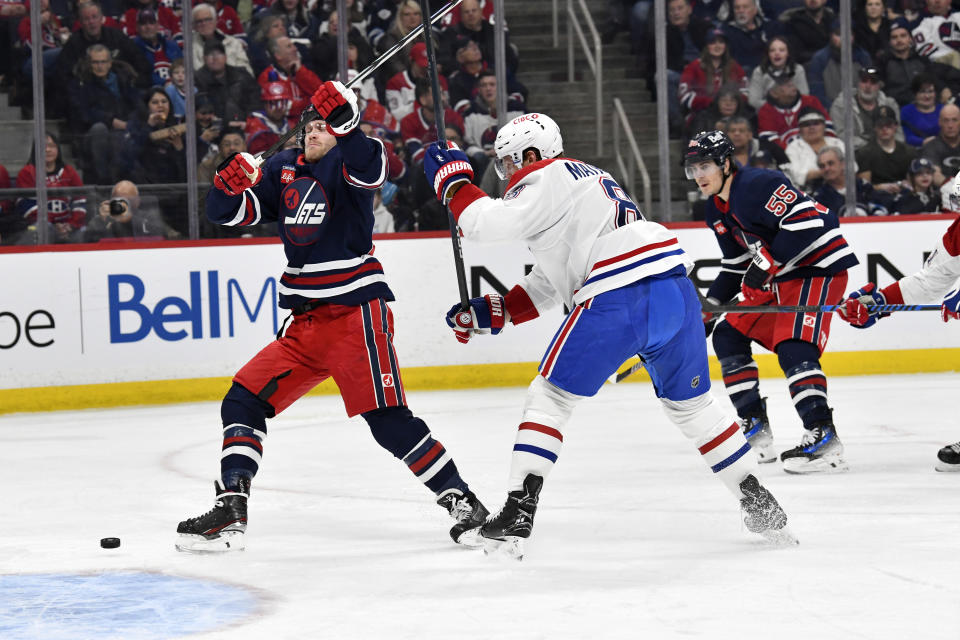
(624,280)
(937,280)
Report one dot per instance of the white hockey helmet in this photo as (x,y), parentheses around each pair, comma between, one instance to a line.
(529,131)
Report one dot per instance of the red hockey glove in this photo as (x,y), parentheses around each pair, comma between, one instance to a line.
(337,105)
(854,311)
(485,315)
(759,274)
(950,309)
(238,172)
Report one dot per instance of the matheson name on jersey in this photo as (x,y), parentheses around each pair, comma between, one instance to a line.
(585,232)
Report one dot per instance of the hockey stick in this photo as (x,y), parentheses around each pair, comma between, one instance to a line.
(709,307)
(718,309)
(363,75)
(438,110)
(626,373)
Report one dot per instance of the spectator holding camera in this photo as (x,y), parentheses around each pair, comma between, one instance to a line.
(127,215)
(66,213)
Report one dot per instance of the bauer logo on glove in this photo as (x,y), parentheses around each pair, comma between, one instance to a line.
(446,168)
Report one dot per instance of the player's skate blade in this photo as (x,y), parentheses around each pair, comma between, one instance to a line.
(226,541)
(510,547)
(948,458)
(824,464)
(470,538)
(780,537)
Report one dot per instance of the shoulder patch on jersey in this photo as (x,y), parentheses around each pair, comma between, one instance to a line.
(287,174)
(719,228)
(513,193)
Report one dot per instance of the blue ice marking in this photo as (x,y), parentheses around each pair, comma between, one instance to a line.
(116,605)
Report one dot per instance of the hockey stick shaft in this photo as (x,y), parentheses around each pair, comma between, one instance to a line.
(438,110)
(363,75)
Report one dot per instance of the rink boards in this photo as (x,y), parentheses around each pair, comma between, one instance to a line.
(151,323)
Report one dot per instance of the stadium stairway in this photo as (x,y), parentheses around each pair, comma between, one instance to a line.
(543,69)
(16,137)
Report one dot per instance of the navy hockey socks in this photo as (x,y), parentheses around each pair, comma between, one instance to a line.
(408,438)
(739,369)
(244,429)
(808,384)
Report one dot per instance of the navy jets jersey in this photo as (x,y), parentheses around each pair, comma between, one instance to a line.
(766,210)
(324,214)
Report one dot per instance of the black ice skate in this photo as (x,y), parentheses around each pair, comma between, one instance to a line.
(820,451)
(505,532)
(756,429)
(220,529)
(469,513)
(762,513)
(948,458)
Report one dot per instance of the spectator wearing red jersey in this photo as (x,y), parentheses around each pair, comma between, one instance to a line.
(168,23)
(264,127)
(419,127)
(53,35)
(401,89)
(702,78)
(289,69)
(67,213)
(777,118)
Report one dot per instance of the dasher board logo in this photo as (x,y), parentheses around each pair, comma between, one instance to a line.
(304,207)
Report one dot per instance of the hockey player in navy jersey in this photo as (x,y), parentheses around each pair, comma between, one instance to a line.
(340,326)
(625,281)
(937,280)
(781,247)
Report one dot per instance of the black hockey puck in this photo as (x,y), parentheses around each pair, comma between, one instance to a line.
(109,543)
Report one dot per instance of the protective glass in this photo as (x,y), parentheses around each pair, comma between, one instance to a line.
(700,169)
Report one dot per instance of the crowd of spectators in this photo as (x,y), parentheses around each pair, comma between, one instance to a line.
(114,73)
(766,71)
(769,73)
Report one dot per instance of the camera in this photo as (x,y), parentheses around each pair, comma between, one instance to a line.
(119,206)
(216,124)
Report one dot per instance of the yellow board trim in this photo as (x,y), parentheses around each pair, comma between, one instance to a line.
(473,376)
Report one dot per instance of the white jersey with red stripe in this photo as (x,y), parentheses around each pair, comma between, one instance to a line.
(940,271)
(585,232)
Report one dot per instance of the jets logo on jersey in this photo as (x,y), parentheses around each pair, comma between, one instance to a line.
(305,208)
(387,379)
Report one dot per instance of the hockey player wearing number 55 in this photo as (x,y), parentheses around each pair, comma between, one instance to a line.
(778,246)
(625,281)
(938,279)
(322,200)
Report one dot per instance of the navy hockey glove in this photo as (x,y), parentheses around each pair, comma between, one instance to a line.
(485,315)
(759,274)
(445,168)
(238,172)
(852,309)
(337,105)
(950,309)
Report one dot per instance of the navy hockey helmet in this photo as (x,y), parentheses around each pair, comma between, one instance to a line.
(708,145)
(309,115)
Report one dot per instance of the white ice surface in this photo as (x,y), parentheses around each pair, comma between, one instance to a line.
(633,539)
